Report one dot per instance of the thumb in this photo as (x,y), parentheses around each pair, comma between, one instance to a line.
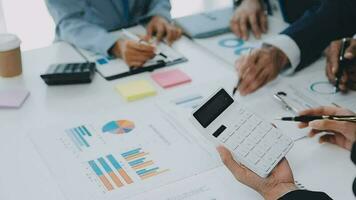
(330,125)
(149,32)
(351,51)
(229,162)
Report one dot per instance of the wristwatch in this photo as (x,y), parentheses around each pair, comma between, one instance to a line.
(237,3)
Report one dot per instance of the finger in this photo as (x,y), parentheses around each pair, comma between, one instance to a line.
(314,132)
(333,125)
(264,22)
(235,26)
(230,163)
(243,28)
(329,73)
(350,52)
(255,26)
(150,30)
(170,35)
(336,139)
(334,56)
(323,110)
(248,61)
(161,31)
(260,81)
(343,82)
(302,125)
(143,47)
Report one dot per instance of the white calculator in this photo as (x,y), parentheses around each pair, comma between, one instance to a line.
(254,142)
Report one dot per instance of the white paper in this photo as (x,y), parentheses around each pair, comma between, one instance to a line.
(175,151)
(229,47)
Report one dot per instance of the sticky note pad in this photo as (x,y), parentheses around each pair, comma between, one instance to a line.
(136,90)
(171,78)
(13,98)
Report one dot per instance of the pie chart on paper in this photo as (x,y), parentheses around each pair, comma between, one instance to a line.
(119,127)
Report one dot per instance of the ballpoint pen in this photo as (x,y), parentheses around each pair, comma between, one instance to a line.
(239,81)
(342,63)
(309,118)
(134,37)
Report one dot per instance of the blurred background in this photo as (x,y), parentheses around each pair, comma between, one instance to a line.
(31,21)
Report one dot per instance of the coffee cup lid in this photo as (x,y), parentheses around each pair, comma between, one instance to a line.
(9,42)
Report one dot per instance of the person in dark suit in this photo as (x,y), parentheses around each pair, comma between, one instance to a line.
(299,45)
(280,183)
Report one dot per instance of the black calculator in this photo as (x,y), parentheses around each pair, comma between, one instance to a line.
(70,73)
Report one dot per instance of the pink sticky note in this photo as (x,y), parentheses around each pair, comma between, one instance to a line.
(13,98)
(171,78)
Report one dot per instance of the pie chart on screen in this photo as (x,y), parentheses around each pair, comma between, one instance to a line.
(119,127)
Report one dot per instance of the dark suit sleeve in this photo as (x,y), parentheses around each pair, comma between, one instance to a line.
(329,21)
(305,194)
(353,158)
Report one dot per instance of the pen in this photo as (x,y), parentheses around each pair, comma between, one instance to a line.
(342,63)
(134,37)
(239,81)
(309,118)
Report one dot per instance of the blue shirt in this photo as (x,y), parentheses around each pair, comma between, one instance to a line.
(87,23)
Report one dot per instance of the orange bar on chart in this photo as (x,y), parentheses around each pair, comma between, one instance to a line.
(153,174)
(142,165)
(116,179)
(124,175)
(106,183)
(136,156)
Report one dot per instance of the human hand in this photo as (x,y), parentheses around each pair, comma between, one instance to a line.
(343,133)
(259,67)
(348,79)
(250,14)
(135,54)
(278,183)
(161,28)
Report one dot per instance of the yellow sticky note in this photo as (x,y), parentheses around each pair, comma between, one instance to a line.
(136,90)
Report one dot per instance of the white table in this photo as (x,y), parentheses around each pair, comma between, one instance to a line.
(23,174)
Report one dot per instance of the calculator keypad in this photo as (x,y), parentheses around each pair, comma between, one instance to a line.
(256,141)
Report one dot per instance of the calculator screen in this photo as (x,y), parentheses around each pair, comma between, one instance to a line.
(213,108)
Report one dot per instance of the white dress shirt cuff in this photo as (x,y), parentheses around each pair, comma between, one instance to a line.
(289,47)
(354,36)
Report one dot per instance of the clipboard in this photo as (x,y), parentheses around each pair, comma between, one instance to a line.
(111,68)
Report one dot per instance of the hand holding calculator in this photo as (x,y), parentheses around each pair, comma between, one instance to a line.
(253,142)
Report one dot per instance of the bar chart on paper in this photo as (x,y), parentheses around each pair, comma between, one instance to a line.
(112,176)
(79,136)
(138,161)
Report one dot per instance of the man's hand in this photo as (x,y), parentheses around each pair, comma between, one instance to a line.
(134,54)
(342,134)
(250,14)
(258,68)
(278,183)
(348,80)
(161,28)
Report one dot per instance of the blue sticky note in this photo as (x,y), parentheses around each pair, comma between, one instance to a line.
(102,61)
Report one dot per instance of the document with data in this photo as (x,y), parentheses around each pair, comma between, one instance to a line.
(121,155)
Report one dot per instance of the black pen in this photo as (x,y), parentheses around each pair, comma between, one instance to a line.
(236,88)
(309,118)
(238,83)
(342,63)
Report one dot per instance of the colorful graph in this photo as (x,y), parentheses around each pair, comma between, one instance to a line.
(237,44)
(106,174)
(118,127)
(323,87)
(78,136)
(138,161)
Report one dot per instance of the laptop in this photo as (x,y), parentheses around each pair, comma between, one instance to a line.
(206,24)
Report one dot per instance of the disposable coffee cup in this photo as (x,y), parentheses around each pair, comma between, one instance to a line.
(10,55)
